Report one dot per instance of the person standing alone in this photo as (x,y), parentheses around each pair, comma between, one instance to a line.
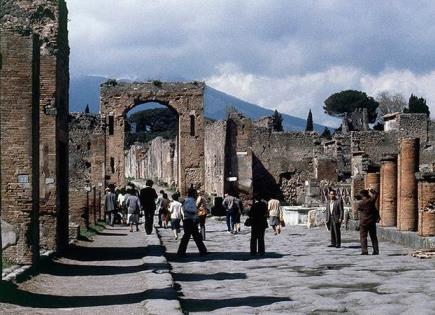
(258,218)
(334,218)
(368,217)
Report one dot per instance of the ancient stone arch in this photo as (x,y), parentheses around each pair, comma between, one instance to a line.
(187,99)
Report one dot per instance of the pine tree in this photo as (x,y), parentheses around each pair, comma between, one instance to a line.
(87,109)
(309,126)
(418,105)
(326,134)
(277,121)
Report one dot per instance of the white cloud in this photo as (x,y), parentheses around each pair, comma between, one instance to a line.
(295,94)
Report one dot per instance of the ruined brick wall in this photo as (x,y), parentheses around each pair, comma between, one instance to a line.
(413,126)
(238,156)
(340,149)
(86,162)
(48,19)
(214,151)
(19,77)
(134,161)
(325,168)
(281,153)
(187,99)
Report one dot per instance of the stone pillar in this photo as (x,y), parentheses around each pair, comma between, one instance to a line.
(388,193)
(19,101)
(409,162)
(426,204)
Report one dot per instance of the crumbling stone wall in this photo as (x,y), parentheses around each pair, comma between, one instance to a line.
(86,164)
(278,155)
(340,149)
(19,123)
(48,19)
(187,99)
(375,144)
(156,160)
(214,149)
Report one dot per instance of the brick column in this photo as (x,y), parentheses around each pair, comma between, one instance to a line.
(388,194)
(372,180)
(19,125)
(426,204)
(409,161)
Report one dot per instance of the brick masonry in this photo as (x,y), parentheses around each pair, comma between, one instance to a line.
(19,142)
(187,99)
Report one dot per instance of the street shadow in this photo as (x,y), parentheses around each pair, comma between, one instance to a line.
(105,253)
(70,270)
(111,234)
(235,256)
(185,277)
(12,294)
(208,305)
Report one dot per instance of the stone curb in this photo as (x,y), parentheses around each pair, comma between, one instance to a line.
(166,302)
(17,272)
(405,238)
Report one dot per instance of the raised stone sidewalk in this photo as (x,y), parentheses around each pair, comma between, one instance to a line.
(118,273)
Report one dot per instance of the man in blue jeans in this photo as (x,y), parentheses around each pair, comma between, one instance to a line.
(231,205)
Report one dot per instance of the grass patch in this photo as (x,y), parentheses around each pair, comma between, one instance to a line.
(87,234)
(6,263)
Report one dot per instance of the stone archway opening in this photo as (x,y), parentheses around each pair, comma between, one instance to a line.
(186,99)
(151,144)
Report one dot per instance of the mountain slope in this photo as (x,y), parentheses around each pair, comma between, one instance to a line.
(85,90)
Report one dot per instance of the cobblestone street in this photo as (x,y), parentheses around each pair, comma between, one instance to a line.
(299,275)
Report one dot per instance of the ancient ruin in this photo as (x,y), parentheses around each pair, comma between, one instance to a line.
(56,165)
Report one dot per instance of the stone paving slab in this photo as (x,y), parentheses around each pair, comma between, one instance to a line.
(299,275)
(118,273)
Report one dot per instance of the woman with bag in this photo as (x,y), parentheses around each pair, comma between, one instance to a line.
(202,205)
(257,219)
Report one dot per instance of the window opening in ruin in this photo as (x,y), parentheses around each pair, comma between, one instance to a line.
(89,145)
(111,125)
(192,125)
(112,165)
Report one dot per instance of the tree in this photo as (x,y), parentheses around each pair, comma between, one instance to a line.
(417,105)
(345,102)
(87,109)
(309,126)
(390,103)
(326,134)
(277,121)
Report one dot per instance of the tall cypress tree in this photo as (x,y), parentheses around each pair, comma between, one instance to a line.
(277,121)
(87,109)
(309,126)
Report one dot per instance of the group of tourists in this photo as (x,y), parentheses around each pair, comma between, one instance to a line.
(193,210)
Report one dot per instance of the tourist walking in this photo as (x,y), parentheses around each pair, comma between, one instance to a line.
(334,218)
(368,217)
(133,209)
(110,205)
(176,214)
(202,205)
(275,215)
(258,221)
(231,206)
(164,207)
(190,225)
(120,201)
(159,207)
(147,199)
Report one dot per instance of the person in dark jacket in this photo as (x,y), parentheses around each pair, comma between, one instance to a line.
(334,218)
(368,217)
(147,199)
(258,218)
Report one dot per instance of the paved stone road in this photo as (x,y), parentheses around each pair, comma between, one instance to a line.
(299,275)
(119,273)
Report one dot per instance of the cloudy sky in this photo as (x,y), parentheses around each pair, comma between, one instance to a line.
(288,55)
